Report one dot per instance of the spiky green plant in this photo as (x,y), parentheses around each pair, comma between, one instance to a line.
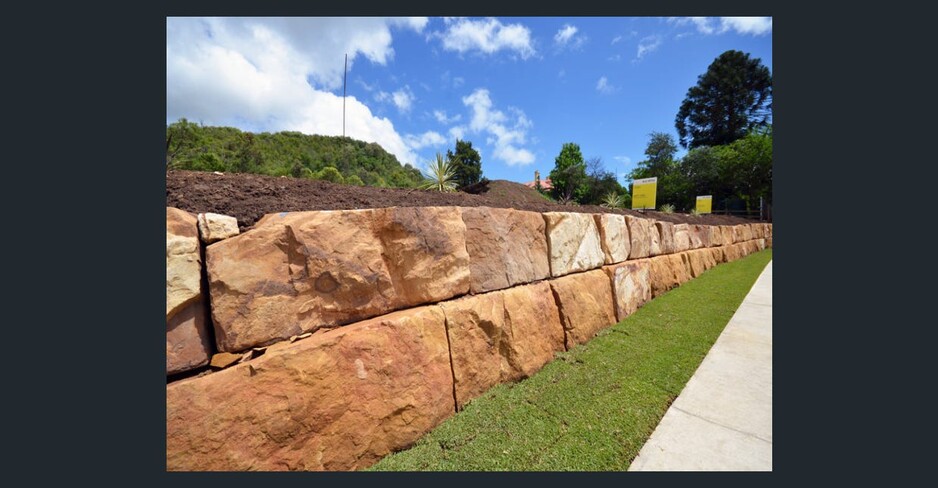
(612,200)
(440,176)
(666,208)
(694,212)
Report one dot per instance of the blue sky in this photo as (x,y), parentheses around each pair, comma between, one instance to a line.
(517,88)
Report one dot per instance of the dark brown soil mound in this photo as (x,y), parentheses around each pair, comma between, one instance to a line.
(249,197)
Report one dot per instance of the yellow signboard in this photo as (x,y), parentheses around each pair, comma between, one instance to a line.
(704,203)
(643,193)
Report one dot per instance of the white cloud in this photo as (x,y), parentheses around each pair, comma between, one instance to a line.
(603,86)
(458,81)
(442,118)
(506,139)
(403,99)
(429,138)
(275,73)
(617,57)
(622,159)
(756,26)
(615,40)
(565,37)
(648,44)
(487,36)
(458,132)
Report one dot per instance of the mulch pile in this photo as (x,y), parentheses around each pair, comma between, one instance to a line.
(248,197)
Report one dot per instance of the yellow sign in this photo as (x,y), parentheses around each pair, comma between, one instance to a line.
(704,203)
(643,193)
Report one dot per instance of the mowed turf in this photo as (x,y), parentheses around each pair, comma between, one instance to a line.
(593,407)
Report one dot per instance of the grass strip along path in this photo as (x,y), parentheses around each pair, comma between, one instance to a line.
(593,407)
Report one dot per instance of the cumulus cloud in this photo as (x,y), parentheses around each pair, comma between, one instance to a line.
(403,99)
(647,44)
(615,40)
(565,37)
(429,138)
(276,73)
(506,134)
(487,36)
(603,86)
(756,26)
(442,118)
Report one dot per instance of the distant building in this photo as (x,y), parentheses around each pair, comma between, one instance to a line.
(545,183)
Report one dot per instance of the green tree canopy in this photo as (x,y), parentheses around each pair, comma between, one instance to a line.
(660,163)
(466,163)
(569,174)
(733,97)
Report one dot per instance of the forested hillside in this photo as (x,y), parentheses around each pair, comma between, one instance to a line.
(338,159)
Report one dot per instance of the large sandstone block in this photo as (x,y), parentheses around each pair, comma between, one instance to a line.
(614,237)
(667,272)
(585,303)
(743,232)
(694,236)
(703,235)
(296,272)
(640,236)
(188,344)
(631,286)
(717,254)
(758,230)
(214,227)
(768,230)
(665,237)
(654,240)
(340,400)
(183,261)
(728,235)
(501,336)
(682,239)
(700,260)
(506,247)
(768,242)
(760,244)
(716,237)
(731,253)
(573,242)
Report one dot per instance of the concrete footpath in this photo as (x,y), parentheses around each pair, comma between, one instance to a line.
(722,420)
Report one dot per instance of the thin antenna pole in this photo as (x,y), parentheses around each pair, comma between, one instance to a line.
(344,83)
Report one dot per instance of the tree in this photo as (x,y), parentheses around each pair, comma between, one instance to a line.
(182,139)
(466,163)
(329,173)
(733,97)
(746,167)
(672,186)
(569,174)
(599,182)
(441,175)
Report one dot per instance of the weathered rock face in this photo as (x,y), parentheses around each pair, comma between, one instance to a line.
(760,244)
(336,401)
(693,234)
(744,232)
(183,263)
(640,236)
(702,233)
(728,236)
(654,240)
(506,247)
(665,237)
(501,336)
(682,240)
(573,242)
(296,272)
(700,260)
(631,283)
(614,237)
(214,227)
(716,237)
(758,230)
(668,271)
(188,345)
(585,303)
(768,230)
(717,254)
(768,242)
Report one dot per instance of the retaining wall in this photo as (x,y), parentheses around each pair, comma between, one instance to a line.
(337,337)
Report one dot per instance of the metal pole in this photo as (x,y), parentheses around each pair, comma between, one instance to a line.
(344,84)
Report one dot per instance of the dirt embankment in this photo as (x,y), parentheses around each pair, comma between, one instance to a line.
(249,197)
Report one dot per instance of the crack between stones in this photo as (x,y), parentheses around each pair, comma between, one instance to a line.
(449,349)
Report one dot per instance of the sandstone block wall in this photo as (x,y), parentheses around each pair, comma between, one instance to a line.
(341,336)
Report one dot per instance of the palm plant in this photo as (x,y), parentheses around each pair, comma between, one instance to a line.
(441,175)
(666,208)
(612,200)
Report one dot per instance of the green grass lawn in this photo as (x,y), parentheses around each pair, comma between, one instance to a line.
(593,407)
